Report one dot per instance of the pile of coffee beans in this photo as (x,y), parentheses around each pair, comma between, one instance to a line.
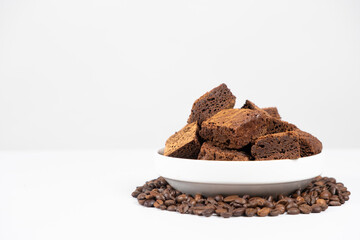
(315,198)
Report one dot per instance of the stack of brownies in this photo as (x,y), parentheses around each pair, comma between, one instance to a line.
(218,131)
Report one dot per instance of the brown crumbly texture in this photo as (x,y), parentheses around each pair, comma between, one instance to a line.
(234,128)
(185,143)
(309,145)
(278,126)
(252,106)
(211,103)
(276,146)
(272,111)
(211,152)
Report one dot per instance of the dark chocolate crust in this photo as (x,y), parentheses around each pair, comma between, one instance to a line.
(211,152)
(211,103)
(234,128)
(309,145)
(272,111)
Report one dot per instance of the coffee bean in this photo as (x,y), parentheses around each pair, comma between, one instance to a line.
(257,202)
(169,202)
(250,212)
(300,200)
(334,203)
(211,200)
(269,204)
(264,212)
(198,198)
(325,195)
(270,198)
(280,207)
(316,208)
(293,211)
(275,212)
(346,197)
(239,212)
(219,210)
(149,202)
(183,208)
(305,209)
(141,201)
(158,203)
(171,208)
(291,205)
(322,203)
(219,198)
(135,194)
(208,212)
(141,196)
(231,198)
(226,214)
(181,198)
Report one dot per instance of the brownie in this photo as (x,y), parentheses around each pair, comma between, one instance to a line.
(234,128)
(211,152)
(184,143)
(272,111)
(211,103)
(309,145)
(276,146)
(277,126)
(250,105)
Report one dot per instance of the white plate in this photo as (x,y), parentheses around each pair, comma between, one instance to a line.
(261,178)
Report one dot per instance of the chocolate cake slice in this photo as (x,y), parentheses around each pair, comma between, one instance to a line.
(276,146)
(309,145)
(211,103)
(234,128)
(211,152)
(272,111)
(185,143)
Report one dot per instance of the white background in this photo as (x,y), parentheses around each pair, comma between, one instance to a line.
(121,76)
(124,74)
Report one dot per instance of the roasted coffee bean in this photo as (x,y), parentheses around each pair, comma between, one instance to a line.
(211,200)
(171,208)
(346,197)
(334,198)
(325,195)
(293,211)
(257,202)
(305,209)
(141,201)
(158,203)
(169,202)
(220,210)
(198,198)
(316,208)
(183,208)
(280,207)
(264,212)
(250,212)
(141,196)
(274,212)
(226,214)
(291,205)
(231,198)
(181,198)
(208,212)
(149,203)
(299,200)
(322,203)
(238,212)
(269,204)
(334,203)
(270,198)
(135,194)
(219,198)
(246,197)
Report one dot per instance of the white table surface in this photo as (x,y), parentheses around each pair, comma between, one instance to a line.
(86,195)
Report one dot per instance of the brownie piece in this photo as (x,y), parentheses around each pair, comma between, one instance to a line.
(272,111)
(278,126)
(211,152)
(250,105)
(234,128)
(309,145)
(211,103)
(184,143)
(276,146)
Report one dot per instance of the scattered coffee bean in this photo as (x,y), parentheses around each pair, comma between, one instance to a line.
(293,211)
(305,209)
(316,197)
(264,212)
(250,212)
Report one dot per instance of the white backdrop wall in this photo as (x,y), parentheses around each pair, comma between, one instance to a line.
(124,74)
